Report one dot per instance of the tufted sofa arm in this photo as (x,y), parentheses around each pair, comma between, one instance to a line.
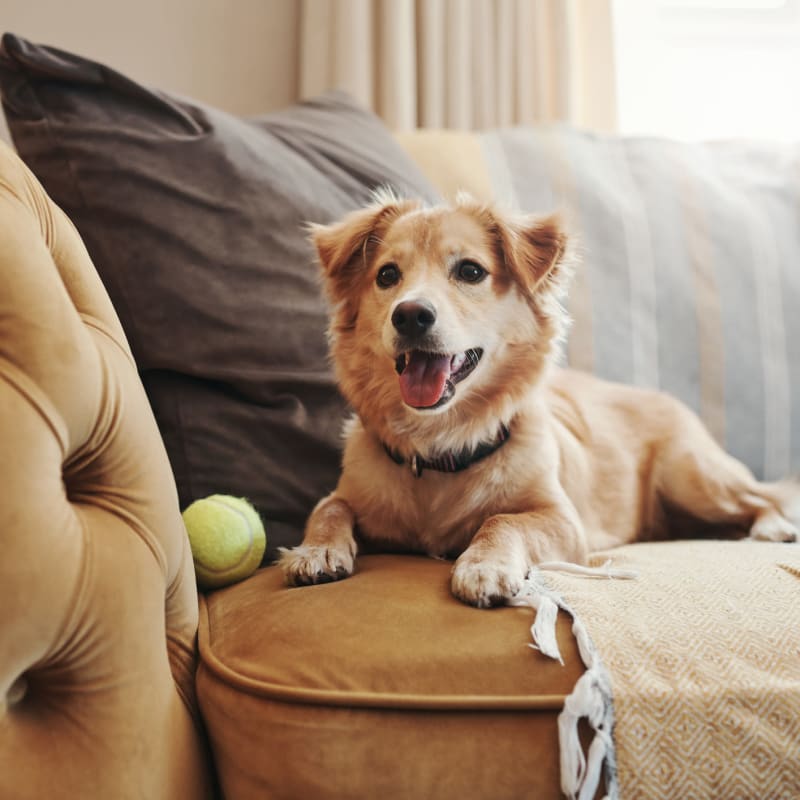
(98,607)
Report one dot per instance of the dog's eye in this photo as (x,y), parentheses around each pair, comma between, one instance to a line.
(388,275)
(470,272)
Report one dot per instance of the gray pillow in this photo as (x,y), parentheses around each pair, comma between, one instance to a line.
(194,220)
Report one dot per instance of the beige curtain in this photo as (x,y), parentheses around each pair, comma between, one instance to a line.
(466,64)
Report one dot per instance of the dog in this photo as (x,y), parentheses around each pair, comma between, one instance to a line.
(468,442)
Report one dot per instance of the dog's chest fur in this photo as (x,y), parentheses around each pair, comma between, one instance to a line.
(437,513)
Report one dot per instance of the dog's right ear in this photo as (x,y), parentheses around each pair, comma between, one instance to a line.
(345,248)
(347,241)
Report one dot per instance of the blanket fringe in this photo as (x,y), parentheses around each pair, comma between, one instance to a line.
(591,698)
(605,570)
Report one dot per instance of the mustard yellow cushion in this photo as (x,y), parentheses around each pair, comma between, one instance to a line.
(381,685)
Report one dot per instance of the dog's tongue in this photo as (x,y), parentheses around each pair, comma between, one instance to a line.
(423,380)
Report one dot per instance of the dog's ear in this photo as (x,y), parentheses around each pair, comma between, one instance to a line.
(344,245)
(535,252)
(345,248)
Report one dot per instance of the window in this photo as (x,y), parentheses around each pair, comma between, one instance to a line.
(708,69)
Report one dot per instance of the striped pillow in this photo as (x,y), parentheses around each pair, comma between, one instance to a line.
(691,274)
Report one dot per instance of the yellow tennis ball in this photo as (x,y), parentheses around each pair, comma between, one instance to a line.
(227,539)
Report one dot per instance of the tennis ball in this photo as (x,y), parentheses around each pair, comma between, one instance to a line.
(227,539)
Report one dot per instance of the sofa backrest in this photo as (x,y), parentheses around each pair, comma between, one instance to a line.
(690,280)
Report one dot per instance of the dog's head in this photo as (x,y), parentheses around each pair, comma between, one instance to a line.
(451,310)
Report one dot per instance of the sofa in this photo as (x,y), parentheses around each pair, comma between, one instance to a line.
(162,337)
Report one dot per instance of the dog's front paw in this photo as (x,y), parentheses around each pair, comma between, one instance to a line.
(310,564)
(486,581)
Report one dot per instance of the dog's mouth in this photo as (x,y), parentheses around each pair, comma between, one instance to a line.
(428,380)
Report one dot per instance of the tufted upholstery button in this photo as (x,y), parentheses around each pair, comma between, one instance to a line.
(17,692)
(99,606)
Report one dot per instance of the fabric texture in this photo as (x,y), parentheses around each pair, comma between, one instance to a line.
(689,280)
(464,64)
(381,685)
(706,683)
(194,219)
(97,632)
(590,702)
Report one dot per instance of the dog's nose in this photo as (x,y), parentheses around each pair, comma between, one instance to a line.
(413,317)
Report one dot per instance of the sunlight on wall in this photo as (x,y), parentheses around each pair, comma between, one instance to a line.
(708,69)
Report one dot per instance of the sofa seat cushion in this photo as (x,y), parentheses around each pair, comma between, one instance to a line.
(381,685)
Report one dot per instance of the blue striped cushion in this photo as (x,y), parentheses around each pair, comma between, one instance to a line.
(691,266)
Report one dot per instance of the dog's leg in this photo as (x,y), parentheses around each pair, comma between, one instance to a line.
(693,473)
(494,566)
(329,549)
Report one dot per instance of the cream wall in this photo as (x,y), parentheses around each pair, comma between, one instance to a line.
(235,54)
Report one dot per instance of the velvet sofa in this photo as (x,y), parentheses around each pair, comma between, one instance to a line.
(162,338)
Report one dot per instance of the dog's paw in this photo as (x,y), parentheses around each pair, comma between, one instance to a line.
(309,564)
(774,527)
(486,581)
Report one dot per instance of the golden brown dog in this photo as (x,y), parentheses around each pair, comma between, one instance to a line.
(467,441)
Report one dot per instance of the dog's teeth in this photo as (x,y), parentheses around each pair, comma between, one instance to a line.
(457,362)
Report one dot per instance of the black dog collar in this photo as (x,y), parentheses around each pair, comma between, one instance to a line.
(452,462)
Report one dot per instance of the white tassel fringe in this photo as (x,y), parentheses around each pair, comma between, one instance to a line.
(591,698)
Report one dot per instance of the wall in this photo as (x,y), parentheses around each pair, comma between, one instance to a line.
(236,55)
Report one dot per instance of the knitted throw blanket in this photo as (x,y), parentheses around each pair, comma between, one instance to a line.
(697,664)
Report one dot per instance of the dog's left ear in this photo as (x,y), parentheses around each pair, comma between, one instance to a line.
(534,250)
